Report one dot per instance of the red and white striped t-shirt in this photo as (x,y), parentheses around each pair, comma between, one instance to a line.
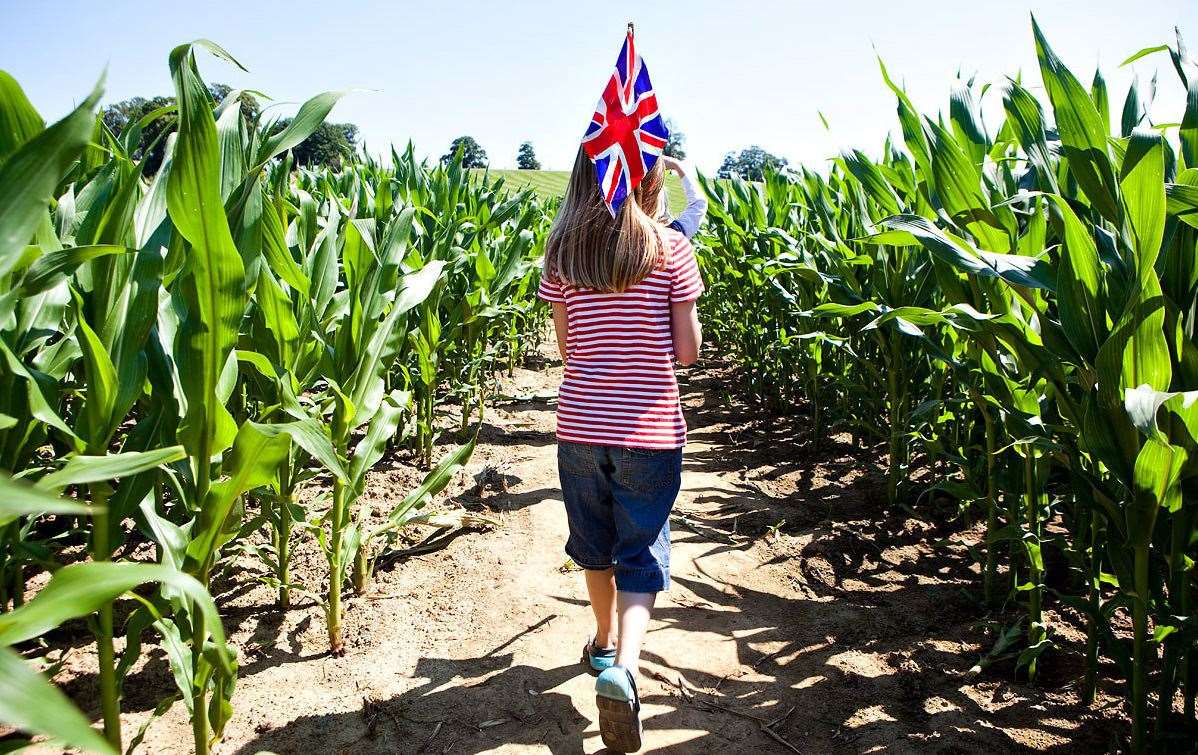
(619,387)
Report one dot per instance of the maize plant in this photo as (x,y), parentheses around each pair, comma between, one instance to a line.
(184,350)
(1012,311)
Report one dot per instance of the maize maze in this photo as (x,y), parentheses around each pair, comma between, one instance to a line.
(181,354)
(1011,314)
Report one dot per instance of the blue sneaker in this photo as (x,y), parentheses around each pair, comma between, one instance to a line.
(599,659)
(619,709)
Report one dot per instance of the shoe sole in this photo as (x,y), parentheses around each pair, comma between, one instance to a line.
(619,724)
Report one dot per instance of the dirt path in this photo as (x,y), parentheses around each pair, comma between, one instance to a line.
(796,622)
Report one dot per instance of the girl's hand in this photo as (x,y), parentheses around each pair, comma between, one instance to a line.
(671,164)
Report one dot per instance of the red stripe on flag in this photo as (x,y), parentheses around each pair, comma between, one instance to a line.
(651,140)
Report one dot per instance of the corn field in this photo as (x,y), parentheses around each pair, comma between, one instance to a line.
(1011,311)
(183,353)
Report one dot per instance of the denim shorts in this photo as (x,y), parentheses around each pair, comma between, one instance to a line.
(618,502)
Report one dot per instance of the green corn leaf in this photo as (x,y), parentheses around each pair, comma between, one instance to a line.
(215,288)
(80,470)
(100,392)
(171,538)
(436,481)
(229,126)
(276,310)
(256,453)
(1182,203)
(311,114)
(959,186)
(913,133)
(1083,134)
(1142,404)
(876,185)
(1142,182)
(18,498)
(1133,110)
(832,309)
(1145,352)
(1079,283)
(1013,268)
(309,435)
(30,174)
(77,590)
(1027,120)
(1156,477)
(379,432)
(419,285)
(967,122)
(19,121)
(274,249)
(1144,53)
(31,703)
(1188,132)
(1102,101)
(52,268)
(38,403)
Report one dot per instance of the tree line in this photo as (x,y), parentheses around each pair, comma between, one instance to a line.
(750,164)
(328,145)
(331,142)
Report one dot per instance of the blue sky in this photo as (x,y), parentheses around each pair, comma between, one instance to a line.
(730,74)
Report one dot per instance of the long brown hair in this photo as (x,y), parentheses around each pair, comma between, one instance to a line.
(588,248)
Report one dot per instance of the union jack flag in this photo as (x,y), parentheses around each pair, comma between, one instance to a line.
(627,134)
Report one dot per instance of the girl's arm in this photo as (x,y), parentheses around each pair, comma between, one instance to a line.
(686,332)
(559,326)
(696,204)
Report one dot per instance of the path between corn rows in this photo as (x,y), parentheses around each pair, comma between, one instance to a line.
(784,613)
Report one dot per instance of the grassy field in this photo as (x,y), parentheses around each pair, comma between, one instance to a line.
(552,183)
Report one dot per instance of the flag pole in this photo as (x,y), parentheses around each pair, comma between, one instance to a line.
(631,31)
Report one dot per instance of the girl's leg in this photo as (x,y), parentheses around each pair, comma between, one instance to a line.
(587,496)
(634,608)
(644,485)
(601,588)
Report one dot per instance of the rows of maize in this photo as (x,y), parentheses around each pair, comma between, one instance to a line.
(183,354)
(1012,313)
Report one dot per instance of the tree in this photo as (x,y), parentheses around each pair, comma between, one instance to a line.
(120,115)
(250,109)
(751,164)
(473,155)
(526,159)
(674,145)
(327,145)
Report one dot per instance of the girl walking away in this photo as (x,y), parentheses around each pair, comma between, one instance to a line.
(623,288)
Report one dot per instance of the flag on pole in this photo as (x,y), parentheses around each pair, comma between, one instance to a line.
(627,133)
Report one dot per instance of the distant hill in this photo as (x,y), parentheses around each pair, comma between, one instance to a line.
(552,183)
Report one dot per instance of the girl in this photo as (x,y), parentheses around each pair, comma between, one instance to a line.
(623,292)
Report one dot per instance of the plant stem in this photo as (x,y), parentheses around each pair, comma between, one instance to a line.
(336,646)
(1179,539)
(990,571)
(896,436)
(110,705)
(284,551)
(1139,690)
(283,533)
(1094,597)
(199,713)
(199,633)
(1035,626)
